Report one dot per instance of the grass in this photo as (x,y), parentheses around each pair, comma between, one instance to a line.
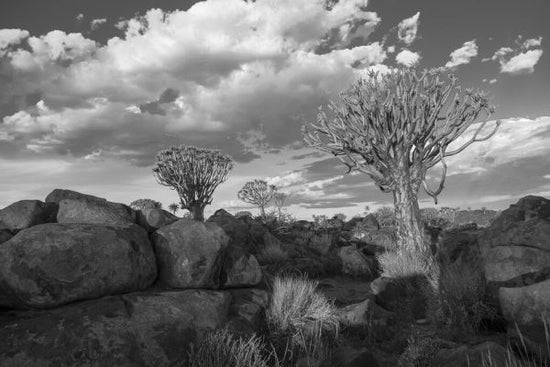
(272,253)
(221,348)
(403,264)
(303,316)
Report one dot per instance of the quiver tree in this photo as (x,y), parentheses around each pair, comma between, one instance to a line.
(279,201)
(142,204)
(194,173)
(174,207)
(395,127)
(257,192)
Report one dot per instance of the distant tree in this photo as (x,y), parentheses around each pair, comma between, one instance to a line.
(174,207)
(141,204)
(395,127)
(385,216)
(194,173)
(339,216)
(257,192)
(279,201)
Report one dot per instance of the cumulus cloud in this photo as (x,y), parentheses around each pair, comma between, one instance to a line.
(252,64)
(407,29)
(407,58)
(463,55)
(9,37)
(284,181)
(96,23)
(521,60)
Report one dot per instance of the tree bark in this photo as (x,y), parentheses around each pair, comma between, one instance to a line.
(197,211)
(410,230)
(262,211)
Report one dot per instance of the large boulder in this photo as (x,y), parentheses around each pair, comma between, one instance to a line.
(233,227)
(355,263)
(52,264)
(246,311)
(27,213)
(137,329)
(60,194)
(5,235)
(95,211)
(189,254)
(239,269)
(516,259)
(152,219)
(347,356)
(364,314)
(480,355)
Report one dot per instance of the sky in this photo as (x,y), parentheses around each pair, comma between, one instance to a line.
(90,91)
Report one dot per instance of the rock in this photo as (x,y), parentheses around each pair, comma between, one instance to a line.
(355,263)
(59,194)
(27,213)
(386,290)
(350,224)
(239,269)
(384,238)
(52,264)
(370,222)
(246,311)
(95,212)
(351,357)
(322,242)
(137,329)
(153,219)
(485,354)
(5,235)
(344,290)
(366,313)
(189,254)
(233,227)
(457,245)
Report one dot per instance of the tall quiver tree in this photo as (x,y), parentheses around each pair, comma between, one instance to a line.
(395,127)
(279,201)
(194,173)
(257,192)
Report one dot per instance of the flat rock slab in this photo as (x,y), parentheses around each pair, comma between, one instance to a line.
(60,194)
(95,212)
(52,264)
(137,329)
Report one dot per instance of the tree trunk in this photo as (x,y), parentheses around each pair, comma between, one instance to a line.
(410,230)
(262,211)
(197,210)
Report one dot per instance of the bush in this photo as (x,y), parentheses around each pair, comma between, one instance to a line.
(385,216)
(456,297)
(272,253)
(403,263)
(421,351)
(220,348)
(143,204)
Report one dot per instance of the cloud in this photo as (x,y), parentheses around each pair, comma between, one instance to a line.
(79,17)
(9,37)
(287,180)
(521,60)
(407,58)
(96,23)
(253,65)
(463,55)
(407,29)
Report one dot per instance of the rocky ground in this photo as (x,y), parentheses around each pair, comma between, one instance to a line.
(84,281)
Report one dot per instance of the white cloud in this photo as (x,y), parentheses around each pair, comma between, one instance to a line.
(407,58)
(524,63)
(287,180)
(96,23)
(10,37)
(79,17)
(407,29)
(532,43)
(463,55)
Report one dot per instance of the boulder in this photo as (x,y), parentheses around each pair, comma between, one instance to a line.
(5,235)
(246,311)
(456,245)
(149,328)
(153,219)
(189,254)
(233,227)
(59,194)
(323,241)
(366,313)
(239,269)
(484,354)
(383,239)
(355,263)
(52,264)
(27,213)
(95,212)
(352,223)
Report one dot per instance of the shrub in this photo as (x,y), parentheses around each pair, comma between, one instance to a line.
(385,216)
(272,253)
(220,348)
(142,204)
(402,263)
(456,297)
(421,351)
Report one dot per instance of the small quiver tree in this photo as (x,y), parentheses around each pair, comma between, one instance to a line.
(395,127)
(279,200)
(194,173)
(257,192)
